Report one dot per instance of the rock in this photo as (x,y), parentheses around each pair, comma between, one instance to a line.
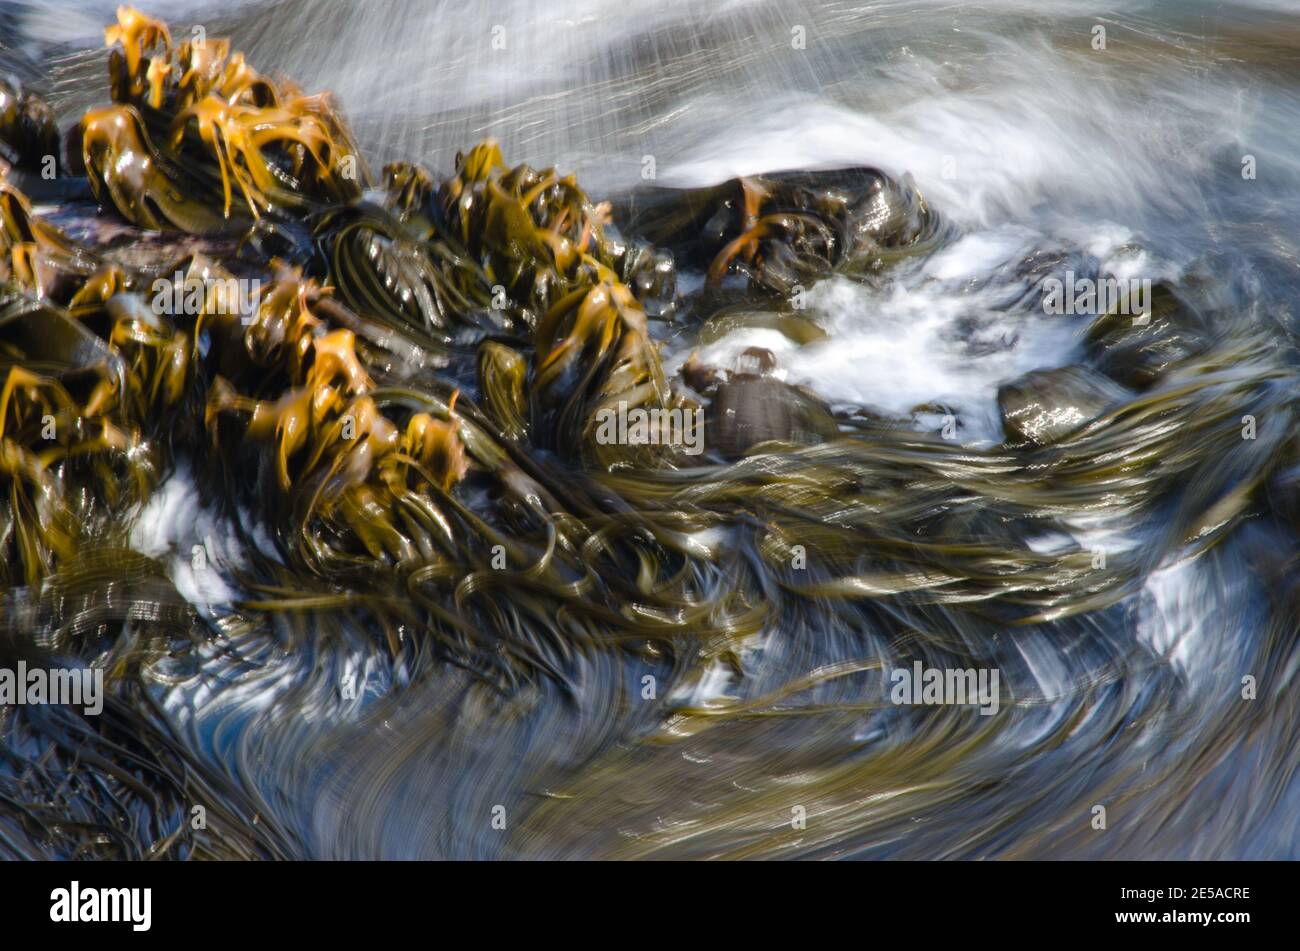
(1135,351)
(1044,405)
(747,410)
(784,230)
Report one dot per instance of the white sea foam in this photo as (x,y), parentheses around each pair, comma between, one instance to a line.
(908,345)
(199,548)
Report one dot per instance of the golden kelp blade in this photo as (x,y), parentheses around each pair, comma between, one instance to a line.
(202,109)
(127,171)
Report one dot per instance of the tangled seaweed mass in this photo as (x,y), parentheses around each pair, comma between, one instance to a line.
(390,397)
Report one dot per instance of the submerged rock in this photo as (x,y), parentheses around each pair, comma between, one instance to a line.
(1138,350)
(1044,405)
(749,410)
(751,406)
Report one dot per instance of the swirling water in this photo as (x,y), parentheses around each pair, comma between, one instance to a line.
(1028,139)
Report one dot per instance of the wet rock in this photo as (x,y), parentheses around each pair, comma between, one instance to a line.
(749,409)
(755,361)
(1136,350)
(784,230)
(1044,405)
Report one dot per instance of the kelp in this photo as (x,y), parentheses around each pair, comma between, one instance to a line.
(36,255)
(594,355)
(29,137)
(787,230)
(518,223)
(74,458)
(328,393)
(129,172)
(414,408)
(877,515)
(489,251)
(533,234)
(519,251)
(383,271)
(503,381)
(118,784)
(339,459)
(363,479)
(93,381)
(199,141)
